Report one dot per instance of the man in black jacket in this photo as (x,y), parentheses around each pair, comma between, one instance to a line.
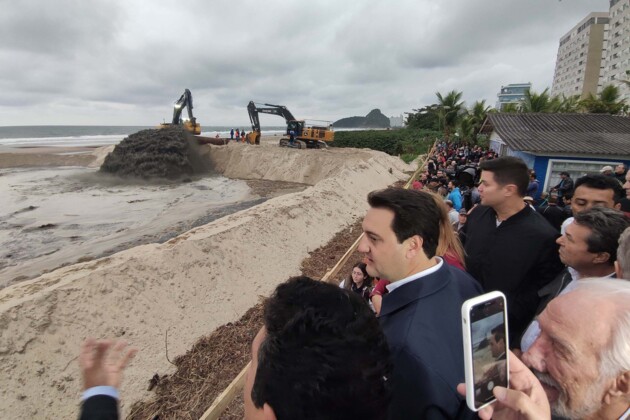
(509,247)
(565,186)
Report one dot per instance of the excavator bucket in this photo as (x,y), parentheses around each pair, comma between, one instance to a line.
(253,137)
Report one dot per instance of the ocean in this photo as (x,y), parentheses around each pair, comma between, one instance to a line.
(92,135)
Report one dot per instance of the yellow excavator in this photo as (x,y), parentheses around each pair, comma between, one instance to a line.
(191,125)
(299,135)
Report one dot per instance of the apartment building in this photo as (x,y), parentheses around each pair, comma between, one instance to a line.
(616,64)
(579,61)
(514,93)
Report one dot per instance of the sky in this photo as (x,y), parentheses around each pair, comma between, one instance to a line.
(125,62)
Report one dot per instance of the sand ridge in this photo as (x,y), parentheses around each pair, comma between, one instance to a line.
(189,285)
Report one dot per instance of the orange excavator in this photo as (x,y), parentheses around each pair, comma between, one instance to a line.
(299,134)
(191,125)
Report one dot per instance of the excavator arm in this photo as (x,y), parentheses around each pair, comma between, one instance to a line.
(184,101)
(280,110)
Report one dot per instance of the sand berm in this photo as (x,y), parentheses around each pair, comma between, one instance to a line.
(189,285)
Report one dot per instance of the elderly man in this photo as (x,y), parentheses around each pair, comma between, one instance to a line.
(589,249)
(581,358)
(620,173)
(622,265)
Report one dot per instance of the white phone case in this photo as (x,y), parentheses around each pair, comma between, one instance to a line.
(468,354)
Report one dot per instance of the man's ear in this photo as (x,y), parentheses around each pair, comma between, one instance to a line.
(415,245)
(601,258)
(617,206)
(620,388)
(510,189)
(618,272)
(268,413)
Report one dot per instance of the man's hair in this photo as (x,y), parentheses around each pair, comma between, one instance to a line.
(499,333)
(602,182)
(324,355)
(623,253)
(455,182)
(508,170)
(615,357)
(449,203)
(606,226)
(415,213)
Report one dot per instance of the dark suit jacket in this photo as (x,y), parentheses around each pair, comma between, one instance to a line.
(99,407)
(518,258)
(422,323)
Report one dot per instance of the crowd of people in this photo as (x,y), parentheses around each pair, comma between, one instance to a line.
(464,228)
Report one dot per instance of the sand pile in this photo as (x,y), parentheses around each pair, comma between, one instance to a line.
(154,153)
(189,285)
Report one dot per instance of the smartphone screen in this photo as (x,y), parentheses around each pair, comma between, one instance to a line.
(489,348)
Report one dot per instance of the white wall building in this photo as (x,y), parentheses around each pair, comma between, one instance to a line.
(616,63)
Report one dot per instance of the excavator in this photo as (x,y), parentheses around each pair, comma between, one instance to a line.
(191,125)
(300,135)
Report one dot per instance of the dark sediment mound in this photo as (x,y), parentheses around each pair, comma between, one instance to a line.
(155,153)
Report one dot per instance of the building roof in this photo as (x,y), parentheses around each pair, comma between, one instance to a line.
(600,134)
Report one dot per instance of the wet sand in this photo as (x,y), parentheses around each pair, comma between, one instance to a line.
(186,286)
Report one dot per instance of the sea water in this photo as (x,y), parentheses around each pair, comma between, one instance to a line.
(92,135)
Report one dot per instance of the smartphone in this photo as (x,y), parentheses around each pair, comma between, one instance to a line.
(485,332)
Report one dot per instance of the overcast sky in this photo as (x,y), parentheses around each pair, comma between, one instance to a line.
(124,62)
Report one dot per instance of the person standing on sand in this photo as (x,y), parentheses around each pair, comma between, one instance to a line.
(243,136)
(238,135)
(232,134)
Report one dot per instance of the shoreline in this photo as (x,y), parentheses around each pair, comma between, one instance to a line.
(189,285)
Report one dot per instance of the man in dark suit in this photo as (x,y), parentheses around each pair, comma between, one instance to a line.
(102,363)
(421,313)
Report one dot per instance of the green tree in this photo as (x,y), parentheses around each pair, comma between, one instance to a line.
(607,102)
(449,110)
(565,104)
(510,108)
(467,129)
(478,114)
(535,102)
(425,118)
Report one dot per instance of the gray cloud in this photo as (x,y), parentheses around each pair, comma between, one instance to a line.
(125,62)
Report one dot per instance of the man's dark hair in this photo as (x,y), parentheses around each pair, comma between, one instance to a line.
(508,170)
(324,355)
(602,182)
(606,227)
(455,182)
(415,213)
(565,173)
(498,332)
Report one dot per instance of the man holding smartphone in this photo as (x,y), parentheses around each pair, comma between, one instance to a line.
(420,315)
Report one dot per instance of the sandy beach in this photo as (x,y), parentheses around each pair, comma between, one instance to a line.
(188,285)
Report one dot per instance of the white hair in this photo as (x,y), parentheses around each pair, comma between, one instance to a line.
(623,253)
(615,356)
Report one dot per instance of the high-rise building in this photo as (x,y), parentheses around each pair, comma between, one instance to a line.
(512,94)
(616,65)
(396,121)
(579,61)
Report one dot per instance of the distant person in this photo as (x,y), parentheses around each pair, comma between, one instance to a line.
(461,220)
(421,313)
(626,185)
(620,173)
(243,135)
(359,282)
(453,215)
(238,135)
(532,188)
(607,171)
(509,247)
(455,195)
(552,213)
(565,186)
(232,134)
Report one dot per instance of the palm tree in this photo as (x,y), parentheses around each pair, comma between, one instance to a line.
(535,102)
(478,114)
(467,129)
(511,107)
(449,108)
(606,103)
(565,104)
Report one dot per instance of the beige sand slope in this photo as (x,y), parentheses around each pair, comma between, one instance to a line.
(190,285)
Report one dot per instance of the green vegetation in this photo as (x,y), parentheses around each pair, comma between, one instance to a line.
(406,142)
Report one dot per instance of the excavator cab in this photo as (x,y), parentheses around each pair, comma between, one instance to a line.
(191,125)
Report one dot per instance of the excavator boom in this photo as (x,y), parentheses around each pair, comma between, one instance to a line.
(184,101)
